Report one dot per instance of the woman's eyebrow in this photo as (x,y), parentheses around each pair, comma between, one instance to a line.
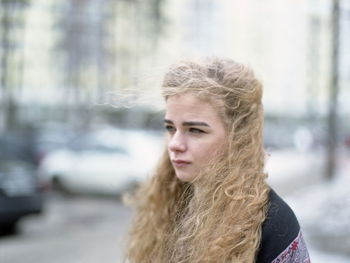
(168,121)
(189,123)
(194,123)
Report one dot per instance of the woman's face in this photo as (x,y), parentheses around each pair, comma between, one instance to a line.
(195,134)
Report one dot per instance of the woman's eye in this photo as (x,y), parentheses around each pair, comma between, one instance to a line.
(169,128)
(195,130)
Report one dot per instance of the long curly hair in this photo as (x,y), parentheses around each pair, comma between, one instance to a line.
(217,217)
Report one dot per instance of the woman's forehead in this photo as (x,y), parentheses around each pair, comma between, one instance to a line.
(187,101)
(190,107)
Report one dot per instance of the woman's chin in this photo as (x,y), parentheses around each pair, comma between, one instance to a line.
(184,177)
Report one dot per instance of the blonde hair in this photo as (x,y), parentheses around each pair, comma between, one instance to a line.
(217,218)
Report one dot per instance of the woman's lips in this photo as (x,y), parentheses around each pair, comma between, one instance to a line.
(180,163)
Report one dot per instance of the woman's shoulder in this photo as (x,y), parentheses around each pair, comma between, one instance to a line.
(280,219)
(281,239)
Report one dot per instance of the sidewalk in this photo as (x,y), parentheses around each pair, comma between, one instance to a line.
(322,208)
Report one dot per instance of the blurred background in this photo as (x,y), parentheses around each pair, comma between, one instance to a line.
(81,118)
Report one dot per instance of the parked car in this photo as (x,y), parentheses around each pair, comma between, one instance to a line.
(101,162)
(21,191)
(52,136)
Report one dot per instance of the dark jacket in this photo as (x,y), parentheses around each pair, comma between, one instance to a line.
(281,240)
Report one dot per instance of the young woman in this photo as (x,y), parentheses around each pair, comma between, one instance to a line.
(208,200)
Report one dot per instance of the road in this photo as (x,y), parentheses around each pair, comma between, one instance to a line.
(90,229)
(71,230)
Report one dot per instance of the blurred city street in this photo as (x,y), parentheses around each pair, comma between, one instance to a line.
(87,229)
(82,116)
(72,230)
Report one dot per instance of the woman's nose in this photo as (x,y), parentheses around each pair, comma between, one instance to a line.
(177,143)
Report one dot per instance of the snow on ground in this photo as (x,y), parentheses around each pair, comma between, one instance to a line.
(322,207)
(318,256)
(324,214)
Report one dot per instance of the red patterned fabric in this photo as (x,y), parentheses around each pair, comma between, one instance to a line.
(296,252)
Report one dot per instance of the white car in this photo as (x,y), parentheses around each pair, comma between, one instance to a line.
(106,162)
